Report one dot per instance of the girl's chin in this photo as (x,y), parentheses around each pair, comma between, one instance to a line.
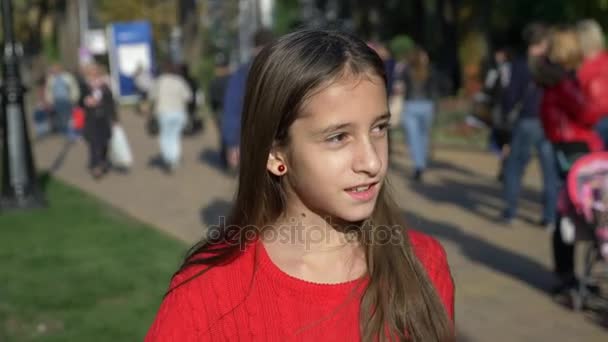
(356,215)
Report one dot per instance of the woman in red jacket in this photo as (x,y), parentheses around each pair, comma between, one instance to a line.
(568,119)
(566,114)
(593,72)
(314,248)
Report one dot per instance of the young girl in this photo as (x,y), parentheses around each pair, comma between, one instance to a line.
(314,248)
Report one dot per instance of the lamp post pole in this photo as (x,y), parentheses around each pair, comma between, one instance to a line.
(19,188)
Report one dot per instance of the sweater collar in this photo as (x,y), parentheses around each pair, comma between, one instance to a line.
(306,290)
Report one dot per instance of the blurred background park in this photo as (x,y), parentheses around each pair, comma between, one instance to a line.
(91,255)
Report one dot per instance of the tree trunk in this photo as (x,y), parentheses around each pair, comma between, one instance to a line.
(68,29)
(484,20)
(448,10)
(419,27)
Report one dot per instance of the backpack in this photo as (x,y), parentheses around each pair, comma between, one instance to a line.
(60,89)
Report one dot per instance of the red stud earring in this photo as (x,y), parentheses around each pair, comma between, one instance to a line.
(281,168)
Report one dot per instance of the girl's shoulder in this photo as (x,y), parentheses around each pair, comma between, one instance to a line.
(428,250)
(433,258)
(200,274)
(199,296)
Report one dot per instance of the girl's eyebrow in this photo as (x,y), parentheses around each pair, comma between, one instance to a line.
(333,127)
(384,116)
(339,126)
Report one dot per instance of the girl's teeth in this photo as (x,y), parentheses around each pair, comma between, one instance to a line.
(361,188)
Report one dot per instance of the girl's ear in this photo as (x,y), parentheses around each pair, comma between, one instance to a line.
(277,162)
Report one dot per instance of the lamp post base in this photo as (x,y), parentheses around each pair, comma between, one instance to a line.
(14,203)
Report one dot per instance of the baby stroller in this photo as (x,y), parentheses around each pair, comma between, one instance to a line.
(583,210)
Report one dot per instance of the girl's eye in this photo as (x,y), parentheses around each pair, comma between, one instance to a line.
(381,128)
(336,138)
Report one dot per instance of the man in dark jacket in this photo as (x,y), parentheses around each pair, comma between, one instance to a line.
(217,88)
(521,105)
(233,103)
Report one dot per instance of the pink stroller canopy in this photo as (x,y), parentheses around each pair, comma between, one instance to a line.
(587,184)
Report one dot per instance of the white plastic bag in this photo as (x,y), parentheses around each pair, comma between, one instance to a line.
(120,152)
(568,230)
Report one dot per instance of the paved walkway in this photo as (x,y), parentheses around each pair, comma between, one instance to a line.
(500,272)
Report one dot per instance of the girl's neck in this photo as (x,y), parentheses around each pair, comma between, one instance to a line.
(314,249)
(593,54)
(308,231)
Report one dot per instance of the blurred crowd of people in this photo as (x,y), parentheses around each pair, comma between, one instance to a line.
(76,106)
(553,99)
(171,97)
(83,105)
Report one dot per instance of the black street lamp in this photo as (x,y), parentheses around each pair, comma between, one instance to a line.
(19,189)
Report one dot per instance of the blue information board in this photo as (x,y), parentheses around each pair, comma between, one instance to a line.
(130,48)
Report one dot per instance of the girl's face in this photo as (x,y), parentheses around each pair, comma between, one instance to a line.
(337,155)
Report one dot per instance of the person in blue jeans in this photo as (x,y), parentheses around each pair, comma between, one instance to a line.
(62,92)
(171,95)
(421,93)
(417,121)
(527,134)
(523,96)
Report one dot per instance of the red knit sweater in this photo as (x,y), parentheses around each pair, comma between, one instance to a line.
(242,302)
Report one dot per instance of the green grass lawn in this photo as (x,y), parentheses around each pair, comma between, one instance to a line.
(80,271)
(446,132)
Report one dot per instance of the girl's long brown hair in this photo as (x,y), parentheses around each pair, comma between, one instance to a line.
(400,301)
